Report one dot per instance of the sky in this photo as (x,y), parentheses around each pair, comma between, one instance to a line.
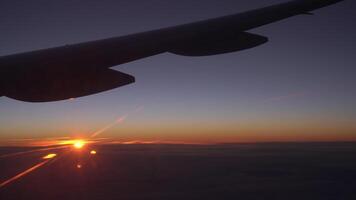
(297,87)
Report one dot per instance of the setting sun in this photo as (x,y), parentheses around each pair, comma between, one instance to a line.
(78,144)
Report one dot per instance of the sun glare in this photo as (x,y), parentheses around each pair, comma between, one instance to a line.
(78,144)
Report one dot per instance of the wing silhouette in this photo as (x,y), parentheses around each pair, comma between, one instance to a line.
(82,69)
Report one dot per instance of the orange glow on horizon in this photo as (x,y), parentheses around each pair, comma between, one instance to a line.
(258,132)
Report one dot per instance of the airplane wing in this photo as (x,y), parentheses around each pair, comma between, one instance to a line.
(82,69)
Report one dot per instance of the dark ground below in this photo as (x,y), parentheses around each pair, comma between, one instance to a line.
(229,171)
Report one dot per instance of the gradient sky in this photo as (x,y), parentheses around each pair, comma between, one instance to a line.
(299,86)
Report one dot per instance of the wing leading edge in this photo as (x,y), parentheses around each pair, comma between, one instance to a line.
(53,74)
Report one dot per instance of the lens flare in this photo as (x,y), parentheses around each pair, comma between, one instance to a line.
(79,166)
(49,156)
(92,152)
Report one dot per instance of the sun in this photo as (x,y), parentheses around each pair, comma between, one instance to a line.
(78,144)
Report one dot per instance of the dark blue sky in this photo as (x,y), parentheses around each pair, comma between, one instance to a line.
(299,86)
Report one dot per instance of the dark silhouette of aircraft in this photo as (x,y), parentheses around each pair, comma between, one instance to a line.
(83,69)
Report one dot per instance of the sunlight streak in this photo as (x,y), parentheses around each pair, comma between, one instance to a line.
(118,121)
(27,171)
